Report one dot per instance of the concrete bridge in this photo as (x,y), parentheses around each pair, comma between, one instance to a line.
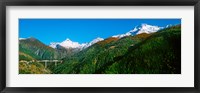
(44,61)
(49,61)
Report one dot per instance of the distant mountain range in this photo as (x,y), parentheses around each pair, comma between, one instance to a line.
(56,50)
(70,44)
(143,28)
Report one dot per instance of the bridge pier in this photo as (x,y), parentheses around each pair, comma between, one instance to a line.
(45,64)
(55,63)
(46,61)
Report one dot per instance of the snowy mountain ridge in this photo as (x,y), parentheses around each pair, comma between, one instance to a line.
(144,28)
(70,44)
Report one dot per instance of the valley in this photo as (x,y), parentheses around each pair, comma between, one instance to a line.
(147,51)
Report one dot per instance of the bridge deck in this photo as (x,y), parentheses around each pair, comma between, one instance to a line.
(45,61)
(49,61)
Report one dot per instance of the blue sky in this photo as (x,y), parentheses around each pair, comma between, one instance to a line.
(82,30)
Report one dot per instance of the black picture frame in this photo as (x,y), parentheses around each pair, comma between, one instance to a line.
(4,3)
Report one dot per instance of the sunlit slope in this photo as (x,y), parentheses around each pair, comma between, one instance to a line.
(99,56)
(141,54)
(160,53)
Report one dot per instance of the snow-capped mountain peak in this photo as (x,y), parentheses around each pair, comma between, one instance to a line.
(70,44)
(143,28)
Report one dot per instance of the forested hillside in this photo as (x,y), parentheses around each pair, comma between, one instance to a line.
(154,53)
